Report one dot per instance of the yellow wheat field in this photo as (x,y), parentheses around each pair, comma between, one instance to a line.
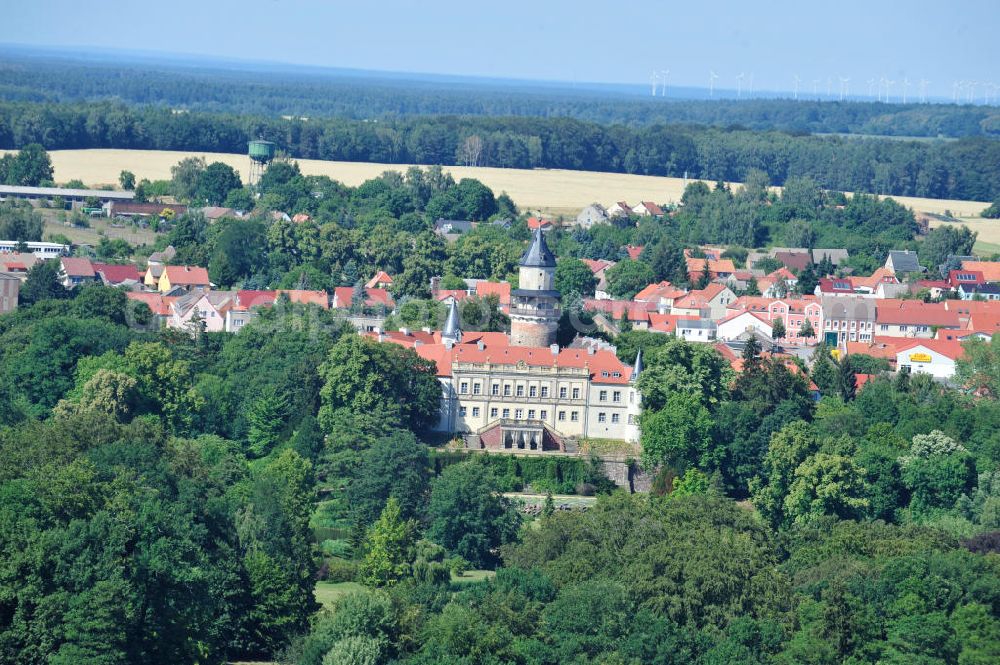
(552,191)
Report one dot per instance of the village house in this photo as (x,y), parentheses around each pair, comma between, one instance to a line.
(913,318)
(836,256)
(847,319)
(737,325)
(75,271)
(600,268)
(695,329)
(595,213)
(381,280)
(717,268)
(662,295)
(647,209)
(619,209)
(777,284)
(794,313)
(117,275)
(903,263)
(709,303)
(929,356)
(183,277)
(989,269)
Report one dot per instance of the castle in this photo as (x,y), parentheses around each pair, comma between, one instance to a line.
(524,392)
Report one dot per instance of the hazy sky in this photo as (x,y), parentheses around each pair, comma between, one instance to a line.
(610,41)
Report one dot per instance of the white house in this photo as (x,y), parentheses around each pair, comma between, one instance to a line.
(592,214)
(736,325)
(930,356)
(619,209)
(696,330)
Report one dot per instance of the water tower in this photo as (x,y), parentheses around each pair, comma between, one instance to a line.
(261,153)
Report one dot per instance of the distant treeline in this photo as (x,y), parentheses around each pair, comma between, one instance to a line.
(963,169)
(315,93)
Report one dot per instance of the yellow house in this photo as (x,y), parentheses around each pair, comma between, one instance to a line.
(186,277)
(151,278)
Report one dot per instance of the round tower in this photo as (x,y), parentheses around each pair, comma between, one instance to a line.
(534,305)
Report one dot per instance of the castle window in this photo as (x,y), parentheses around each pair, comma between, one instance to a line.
(496,389)
(543,414)
(614,416)
(616,375)
(531,414)
(616,396)
(518,414)
(476,388)
(506,389)
(520,391)
(545,391)
(461,411)
(576,393)
(475,412)
(575,416)
(604,396)
(506,413)
(463,387)
(562,416)
(532,391)
(493,412)
(562,392)
(602,417)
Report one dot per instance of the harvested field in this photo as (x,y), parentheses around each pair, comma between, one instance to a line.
(552,191)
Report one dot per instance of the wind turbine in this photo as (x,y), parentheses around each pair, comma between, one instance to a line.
(906,87)
(664,73)
(888,87)
(797,81)
(871,86)
(711,82)
(955,88)
(883,82)
(653,80)
(816,88)
(751,85)
(845,89)
(972,91)
(923,90)
(829,87)
(739,85)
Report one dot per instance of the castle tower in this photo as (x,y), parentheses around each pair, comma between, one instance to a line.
(534,306)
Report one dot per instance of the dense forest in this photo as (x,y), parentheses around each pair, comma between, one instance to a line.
(275,90)
(175,498)
(963,169)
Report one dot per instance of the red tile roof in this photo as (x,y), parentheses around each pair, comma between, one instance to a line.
(597,265)
(75,267)
(159,304)
(654,292)
(990,269)
(538,223)
(617,309)
(116,274)
(344,294)
(667,323)
(634,251)
(247,299)
(457,294)
(381,277)
(715,266)
(897,312)
(499,289)
(186,275)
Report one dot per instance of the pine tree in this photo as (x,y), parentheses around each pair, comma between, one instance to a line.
(777,329)
(550,505)
(846,381)
(389,547)
(267,421)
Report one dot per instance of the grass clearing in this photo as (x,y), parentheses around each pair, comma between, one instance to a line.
(471,576)
(328,593)
(988,229)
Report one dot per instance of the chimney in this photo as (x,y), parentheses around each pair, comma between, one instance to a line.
(554,348)
(427,330)
(480,345)
(435,285)
(591,350)
(405,331)
(448,343)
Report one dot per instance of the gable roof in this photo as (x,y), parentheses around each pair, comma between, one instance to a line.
(538,223)
(76,267)
(654,292)
(903,261)
(186,275)
(158,303)
(634,251)
(794,260)
(990,269)
(381,277)
(715,266)
(116,274)
(597,265)
(836,256)
(499,289)
(898,312)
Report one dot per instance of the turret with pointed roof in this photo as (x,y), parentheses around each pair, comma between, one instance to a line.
(534,308)
(637,367)
(452,332)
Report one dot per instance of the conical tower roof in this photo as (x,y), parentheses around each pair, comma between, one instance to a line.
(538,255)
(451,328)
(638,367)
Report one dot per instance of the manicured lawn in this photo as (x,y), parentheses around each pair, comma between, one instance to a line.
(328,593)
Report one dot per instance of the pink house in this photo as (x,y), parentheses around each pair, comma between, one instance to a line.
(793,312)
